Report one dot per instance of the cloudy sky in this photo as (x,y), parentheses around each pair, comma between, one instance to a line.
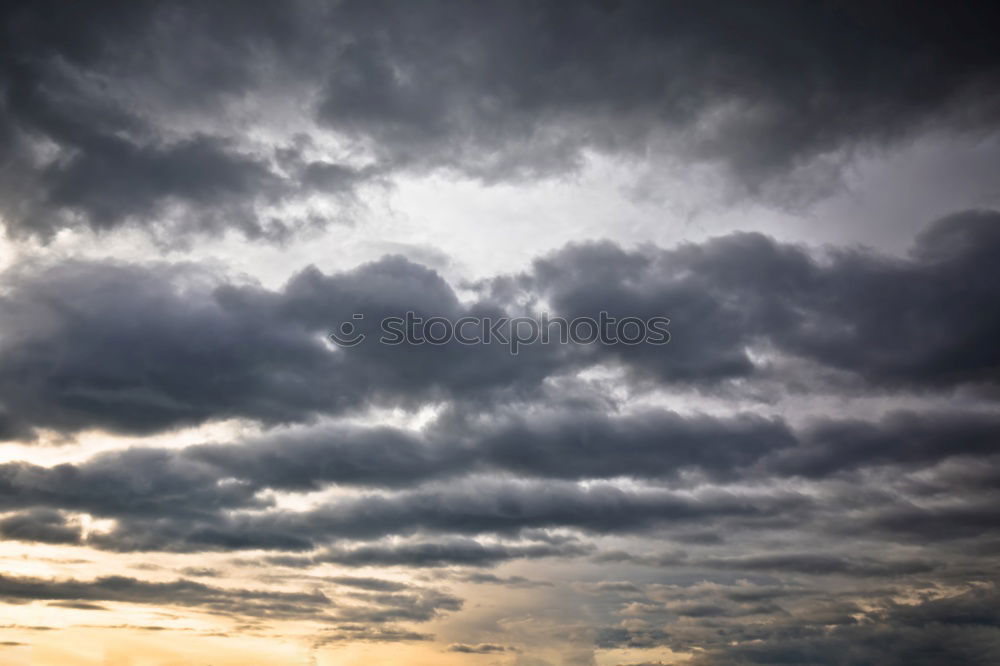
(194,195)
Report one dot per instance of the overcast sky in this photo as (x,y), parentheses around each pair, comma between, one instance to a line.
(194,195)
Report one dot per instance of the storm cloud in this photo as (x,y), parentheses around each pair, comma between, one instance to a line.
(198,198)
(124,335)
(769,92)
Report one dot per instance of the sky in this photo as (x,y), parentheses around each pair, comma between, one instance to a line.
(195,195)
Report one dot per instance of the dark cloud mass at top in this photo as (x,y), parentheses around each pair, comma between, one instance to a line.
(807,474)
(139,112)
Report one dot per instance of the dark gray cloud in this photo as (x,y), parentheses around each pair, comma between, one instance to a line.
(962,629)
(350,633)
(136,482)
(138,101)
(384,607)
(76,605)
(449,551)
(259,603)
(168,496)
(901,438)
(466,508)
(216,497)
(744,623)
(139,349)
(977,517)
(41,525)
(657,444)
(146,348)
(375,612)
(483,578)
(83,153)
(452,551)
(568,444)
(649,445)
(919,323)
(822,564)
(479,648)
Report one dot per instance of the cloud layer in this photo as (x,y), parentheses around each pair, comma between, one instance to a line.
(527,460)
(170,116)
(808,473)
